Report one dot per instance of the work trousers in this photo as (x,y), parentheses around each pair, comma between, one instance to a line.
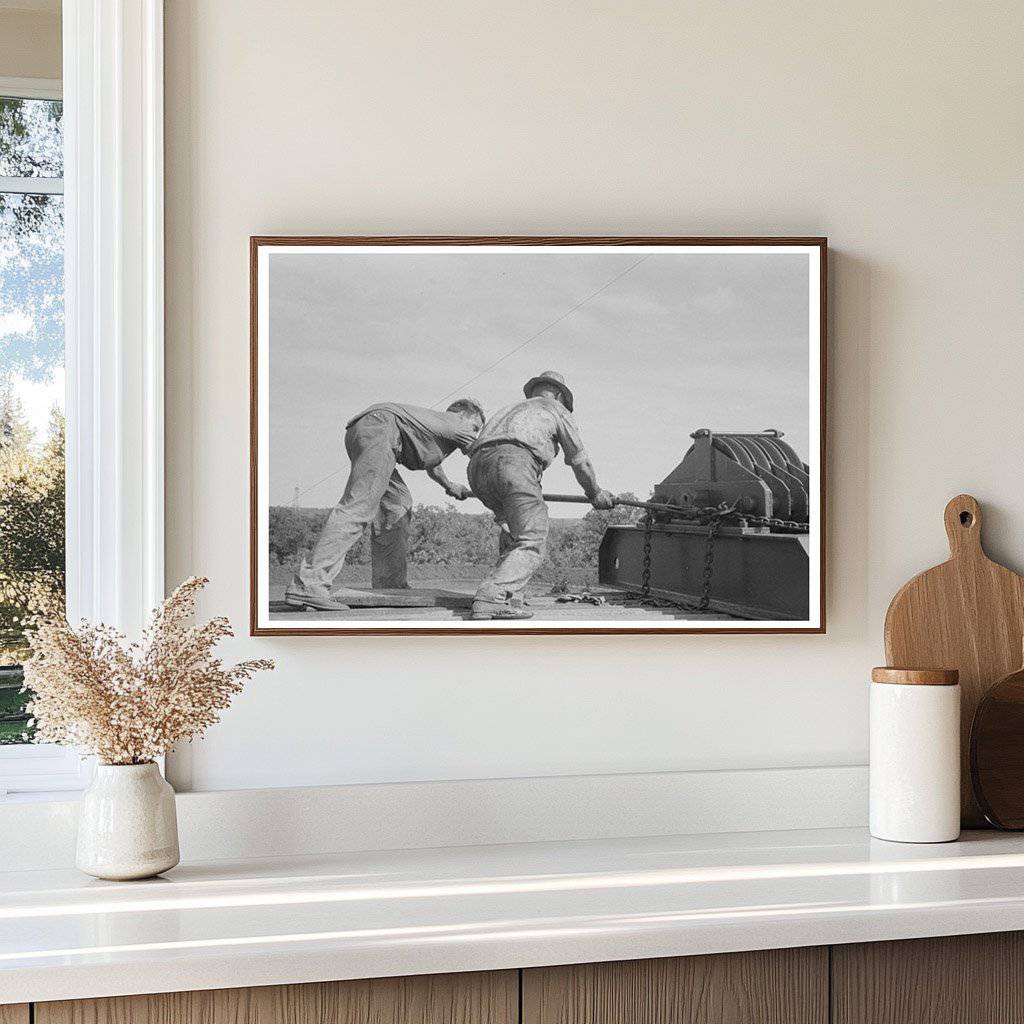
(506,478)
(375,493)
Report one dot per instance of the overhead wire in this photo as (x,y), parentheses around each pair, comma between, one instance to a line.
(533,337)
(497,362)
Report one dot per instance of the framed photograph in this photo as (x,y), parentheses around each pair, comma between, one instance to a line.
(537,435)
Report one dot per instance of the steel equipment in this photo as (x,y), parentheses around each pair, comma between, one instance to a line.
(727,530)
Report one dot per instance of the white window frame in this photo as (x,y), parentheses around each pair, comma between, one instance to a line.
(114,327)
(31,88)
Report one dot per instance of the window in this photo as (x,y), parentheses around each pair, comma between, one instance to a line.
(31,406)
(112,307)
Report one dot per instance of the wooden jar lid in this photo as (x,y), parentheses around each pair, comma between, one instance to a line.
(916,676)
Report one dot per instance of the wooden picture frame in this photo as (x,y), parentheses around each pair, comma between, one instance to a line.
(618,562)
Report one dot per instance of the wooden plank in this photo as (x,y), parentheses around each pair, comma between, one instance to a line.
(476,998)
(618,606)
(14,1013)
(778,986)
(413,597)
(556,613)
(961,979)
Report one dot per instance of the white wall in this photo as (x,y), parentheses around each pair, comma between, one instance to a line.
(895,129)
(30,39)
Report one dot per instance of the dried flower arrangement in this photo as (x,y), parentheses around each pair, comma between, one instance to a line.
(129,703)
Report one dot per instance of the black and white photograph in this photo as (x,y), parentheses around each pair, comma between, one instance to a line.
(537,435)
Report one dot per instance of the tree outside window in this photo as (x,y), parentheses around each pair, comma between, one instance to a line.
(31,384)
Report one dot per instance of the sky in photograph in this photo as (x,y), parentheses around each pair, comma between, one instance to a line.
(654,347)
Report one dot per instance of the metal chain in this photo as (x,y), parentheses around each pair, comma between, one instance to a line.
(722,512)
(771,522)
(709,564)
(645,565)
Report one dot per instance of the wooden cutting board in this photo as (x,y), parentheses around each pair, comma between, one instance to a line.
(967,614)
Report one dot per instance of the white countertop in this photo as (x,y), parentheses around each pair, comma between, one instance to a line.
(272,921)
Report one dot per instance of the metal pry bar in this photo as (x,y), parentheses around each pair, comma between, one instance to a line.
(650,506)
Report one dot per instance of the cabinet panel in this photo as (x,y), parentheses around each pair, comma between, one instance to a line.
(962,979)
(778,986)
(479,998)
(14,1013)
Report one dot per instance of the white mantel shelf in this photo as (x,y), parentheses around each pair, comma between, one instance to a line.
(273,921)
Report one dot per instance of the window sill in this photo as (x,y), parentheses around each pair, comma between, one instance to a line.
(41,771)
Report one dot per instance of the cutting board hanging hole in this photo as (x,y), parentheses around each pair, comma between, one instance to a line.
(963,526)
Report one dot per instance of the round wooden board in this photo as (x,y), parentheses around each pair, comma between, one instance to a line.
(997,752)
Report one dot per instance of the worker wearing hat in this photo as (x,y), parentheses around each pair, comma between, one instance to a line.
(505,466)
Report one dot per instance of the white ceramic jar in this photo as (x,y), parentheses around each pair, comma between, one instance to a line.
(127,825)
(915,755)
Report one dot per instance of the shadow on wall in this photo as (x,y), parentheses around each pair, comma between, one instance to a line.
(852,283)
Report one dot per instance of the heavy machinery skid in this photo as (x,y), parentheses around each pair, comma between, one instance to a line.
(755,575)
(727,530)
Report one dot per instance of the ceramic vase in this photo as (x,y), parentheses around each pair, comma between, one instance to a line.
(127,826)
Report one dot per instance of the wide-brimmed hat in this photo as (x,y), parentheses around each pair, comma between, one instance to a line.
(550,377)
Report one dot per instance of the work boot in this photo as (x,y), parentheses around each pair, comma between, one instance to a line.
(499,610)
(312,598)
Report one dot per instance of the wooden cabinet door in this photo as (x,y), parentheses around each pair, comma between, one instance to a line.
(962,979)
(14,1013)
(480,998)
(778,986)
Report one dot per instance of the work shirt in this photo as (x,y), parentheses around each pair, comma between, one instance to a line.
(428,437)
(540,424)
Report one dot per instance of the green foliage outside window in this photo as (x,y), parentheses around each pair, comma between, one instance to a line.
(31,353)
(31,546)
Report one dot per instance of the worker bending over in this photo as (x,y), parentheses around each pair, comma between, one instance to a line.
(378,440)
(505,467)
